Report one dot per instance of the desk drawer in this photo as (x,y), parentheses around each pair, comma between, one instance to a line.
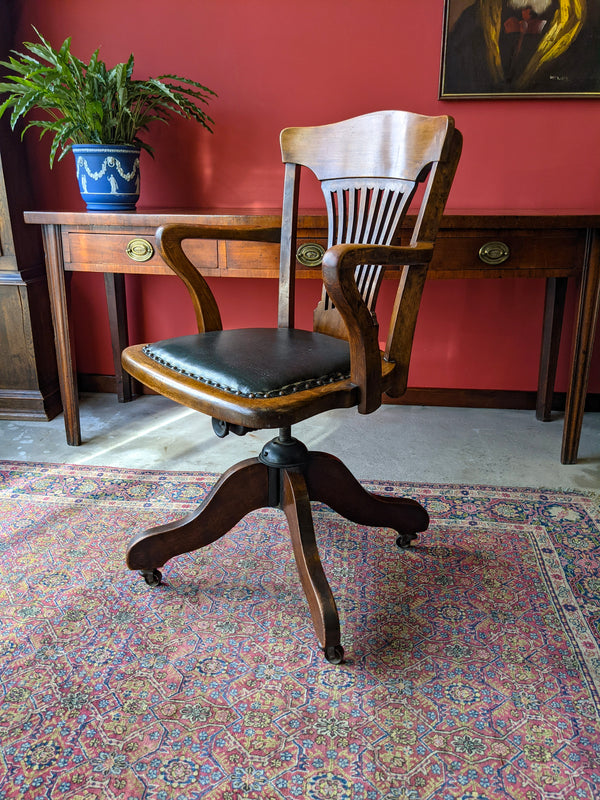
(250,259)
(256,259)
(502,253)
(130,252)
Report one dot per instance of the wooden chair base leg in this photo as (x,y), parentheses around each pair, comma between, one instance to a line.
(254,484)
(326,479)
(240,490)
(296,505)
(329,481)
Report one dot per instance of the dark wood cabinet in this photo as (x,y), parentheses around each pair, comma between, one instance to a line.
(28,373)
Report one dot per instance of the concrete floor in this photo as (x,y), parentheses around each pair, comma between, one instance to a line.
(404,443)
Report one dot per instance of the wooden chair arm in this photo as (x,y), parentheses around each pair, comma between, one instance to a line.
(339,264)
(349,256)
(169,239)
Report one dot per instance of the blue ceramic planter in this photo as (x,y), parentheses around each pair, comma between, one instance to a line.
(108,175)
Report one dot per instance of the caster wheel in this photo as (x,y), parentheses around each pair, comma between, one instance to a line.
(153,577)
(334,654)
(403,541)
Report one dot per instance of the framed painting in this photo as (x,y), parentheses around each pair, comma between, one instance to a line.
(520,48)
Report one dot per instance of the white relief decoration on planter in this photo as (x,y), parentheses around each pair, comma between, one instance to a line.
(114,163)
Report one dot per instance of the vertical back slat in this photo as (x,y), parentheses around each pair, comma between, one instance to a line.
(379,229)
(359,232)
(371,215)
(351,212)
(286,308)
(331,218)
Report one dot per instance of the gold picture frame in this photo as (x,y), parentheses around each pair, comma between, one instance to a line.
(520,49)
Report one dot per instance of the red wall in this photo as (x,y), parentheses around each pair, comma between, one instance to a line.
(276,63)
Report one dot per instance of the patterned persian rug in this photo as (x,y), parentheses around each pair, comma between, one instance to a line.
(473,660)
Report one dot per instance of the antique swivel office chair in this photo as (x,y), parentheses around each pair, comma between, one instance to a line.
(371,169)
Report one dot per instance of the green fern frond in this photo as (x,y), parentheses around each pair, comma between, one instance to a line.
(87,103)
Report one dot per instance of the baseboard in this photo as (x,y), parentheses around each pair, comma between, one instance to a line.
(414,396)
(29,404)
(483,398)
(96,383)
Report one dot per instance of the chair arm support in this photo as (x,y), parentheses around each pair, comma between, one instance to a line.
(169,239)
(339,264)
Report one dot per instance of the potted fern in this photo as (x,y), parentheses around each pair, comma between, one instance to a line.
(97,112)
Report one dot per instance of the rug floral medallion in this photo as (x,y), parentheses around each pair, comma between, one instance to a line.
(472,665)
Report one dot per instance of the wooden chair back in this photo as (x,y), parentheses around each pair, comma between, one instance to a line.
(370,169)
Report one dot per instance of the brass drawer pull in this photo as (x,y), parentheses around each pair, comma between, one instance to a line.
(310,254)
(139,250)
(494,252)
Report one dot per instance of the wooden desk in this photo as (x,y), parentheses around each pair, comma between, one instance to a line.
(553,246)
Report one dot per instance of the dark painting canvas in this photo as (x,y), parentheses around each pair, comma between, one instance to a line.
(521,48)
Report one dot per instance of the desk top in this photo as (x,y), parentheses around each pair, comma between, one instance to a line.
(309,218)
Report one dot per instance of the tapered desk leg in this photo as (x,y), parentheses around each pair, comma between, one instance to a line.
(64,354)
(114,284)
(556,292)
(583,343)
